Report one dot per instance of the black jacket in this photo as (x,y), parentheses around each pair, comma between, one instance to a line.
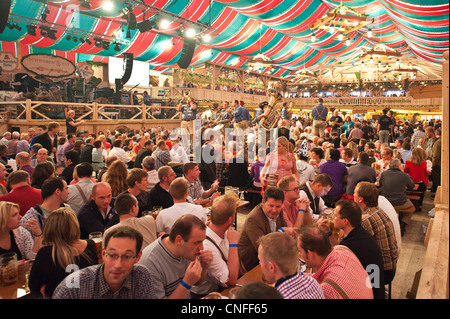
(91,220)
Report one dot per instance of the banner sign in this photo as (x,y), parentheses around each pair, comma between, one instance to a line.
(8,61)
(47,65)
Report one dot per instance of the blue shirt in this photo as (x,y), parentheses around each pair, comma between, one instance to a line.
(319,112)
(187,113)
(241,114)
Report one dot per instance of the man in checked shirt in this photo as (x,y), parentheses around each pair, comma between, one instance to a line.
(117,278)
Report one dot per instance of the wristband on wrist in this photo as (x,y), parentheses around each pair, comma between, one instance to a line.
(232,245)
(185,285)
(281,230)
(38,235)
(209,199)
(302,210)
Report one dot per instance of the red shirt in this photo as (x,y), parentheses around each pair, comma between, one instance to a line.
(345,269)
(418,173)
(25,196)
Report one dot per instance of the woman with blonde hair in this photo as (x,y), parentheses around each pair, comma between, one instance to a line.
(15,238)
(116,177)
(280,162)
(62,253)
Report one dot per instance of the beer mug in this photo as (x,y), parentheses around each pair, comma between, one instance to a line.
(97,238)
(156,211)
(9,271)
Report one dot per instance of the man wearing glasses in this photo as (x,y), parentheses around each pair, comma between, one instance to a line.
(295,210)
(117,278)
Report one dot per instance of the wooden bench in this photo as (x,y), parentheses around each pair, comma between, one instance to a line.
(415,200)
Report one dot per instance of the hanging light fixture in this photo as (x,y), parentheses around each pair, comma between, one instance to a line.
(331,28)
(313,37)
(369,33)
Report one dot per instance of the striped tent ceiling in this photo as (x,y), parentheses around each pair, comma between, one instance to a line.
(240,30)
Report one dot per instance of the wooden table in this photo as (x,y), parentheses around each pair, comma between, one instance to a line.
(253,275)
(20,287)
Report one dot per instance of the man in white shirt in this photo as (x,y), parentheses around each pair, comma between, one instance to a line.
(314,191)
(222,241)
(127,207)
(167,217)
(178,153)
(148,164)
(80,193)
(119,151)
(305,170)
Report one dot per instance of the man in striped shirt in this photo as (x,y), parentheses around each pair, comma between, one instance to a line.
(278,257)
(337,269)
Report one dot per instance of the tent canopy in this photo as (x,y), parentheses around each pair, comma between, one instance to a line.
(416,32)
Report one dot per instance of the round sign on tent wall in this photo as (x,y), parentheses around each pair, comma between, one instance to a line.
(47,65)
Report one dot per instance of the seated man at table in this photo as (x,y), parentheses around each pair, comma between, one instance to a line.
(337,269)
(98,213)
(127,207)
(394,183)
(314,191)
(295,210)
(177,261)
(168,216)
(122,279)
(159,194)
(222,240)
(278,257)
(262,220)
(197,194)
(347,217)
(137,181)
(379,225)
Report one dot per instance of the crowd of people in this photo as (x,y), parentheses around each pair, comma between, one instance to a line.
(57,188)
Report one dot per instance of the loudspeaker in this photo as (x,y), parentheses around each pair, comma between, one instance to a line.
(187,53)
(5,7)
(127,67)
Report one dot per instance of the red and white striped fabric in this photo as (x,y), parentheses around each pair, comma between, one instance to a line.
(345,269)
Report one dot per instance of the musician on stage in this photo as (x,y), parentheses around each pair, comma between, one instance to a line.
(241,115)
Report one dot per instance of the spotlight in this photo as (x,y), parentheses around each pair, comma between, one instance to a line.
(347,42)
(46,32)
(117,47)
(369,33)
(190,33)
(82,40)
(68,38)
(313,38)
(75,39)
(98,42)
(331,28)
(164,24)
(207,37)
(31,30)
(88,41)
(105,45)
(146,25)
(108,5)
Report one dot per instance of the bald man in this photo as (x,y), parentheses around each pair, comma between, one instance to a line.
(98,213)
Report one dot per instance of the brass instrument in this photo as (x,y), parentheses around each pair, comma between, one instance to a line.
(187,97)
(271,120)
